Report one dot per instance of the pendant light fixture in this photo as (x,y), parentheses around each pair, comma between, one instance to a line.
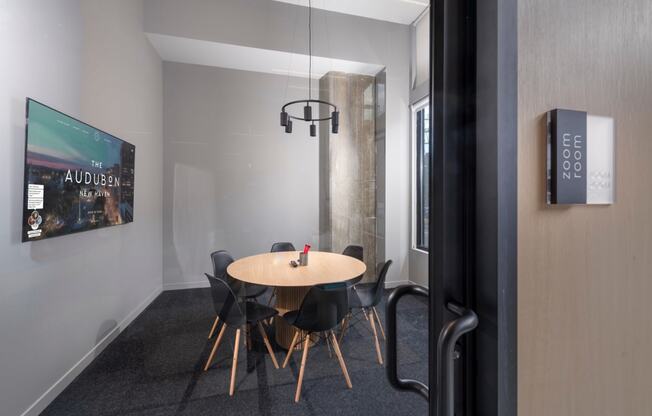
(286,117)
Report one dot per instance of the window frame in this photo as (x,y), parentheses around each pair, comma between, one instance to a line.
(417,106)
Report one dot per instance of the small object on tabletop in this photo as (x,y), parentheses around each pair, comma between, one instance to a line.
(303,257)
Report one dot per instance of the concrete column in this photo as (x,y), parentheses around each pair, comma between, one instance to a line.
(347,162)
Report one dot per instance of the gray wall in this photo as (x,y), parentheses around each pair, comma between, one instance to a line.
(233,178)
(380,160)
(62,297)
(419,90)
(271,25)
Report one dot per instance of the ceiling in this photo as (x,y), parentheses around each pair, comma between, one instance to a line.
(397,11)
(201,52)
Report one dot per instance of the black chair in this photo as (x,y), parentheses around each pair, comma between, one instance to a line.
(277,248)
(237,314)
(357,253)
(365,298)
(282,246)
(320,312)
(354,251)
(221,260)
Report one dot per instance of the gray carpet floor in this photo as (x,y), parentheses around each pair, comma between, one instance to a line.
(155,367)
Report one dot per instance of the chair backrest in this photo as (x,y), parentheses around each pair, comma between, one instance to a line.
(322,309)
(354,251)
(221,260)
(357,253)
(282,246)
(380,283)
(225,302)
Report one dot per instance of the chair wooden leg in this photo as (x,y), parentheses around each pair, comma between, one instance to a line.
(217,344)
(210,335)
(336,347)
(267,344)
(234,366)
(345,326)
(380,324)
(291,349)
(373,328)
(306,347)
(364,312)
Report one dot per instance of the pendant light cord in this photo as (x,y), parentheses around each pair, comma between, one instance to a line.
(309,49)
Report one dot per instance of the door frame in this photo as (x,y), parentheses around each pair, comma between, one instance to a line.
(473,193)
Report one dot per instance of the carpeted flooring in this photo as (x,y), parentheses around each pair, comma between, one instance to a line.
(155,367)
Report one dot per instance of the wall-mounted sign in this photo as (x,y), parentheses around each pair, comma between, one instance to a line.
(580,158)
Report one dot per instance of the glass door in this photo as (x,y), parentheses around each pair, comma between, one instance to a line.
(443,222)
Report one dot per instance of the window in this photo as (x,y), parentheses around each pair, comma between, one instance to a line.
(421,174)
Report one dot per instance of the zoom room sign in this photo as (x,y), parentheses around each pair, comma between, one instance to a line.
(580,158)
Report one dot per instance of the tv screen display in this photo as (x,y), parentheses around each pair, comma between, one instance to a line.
(77,177)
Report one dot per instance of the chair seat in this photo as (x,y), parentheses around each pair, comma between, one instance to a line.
(361,297)
(250,291)
(322,309)
(255,312)
(354,281)
(291,317)
(253,291)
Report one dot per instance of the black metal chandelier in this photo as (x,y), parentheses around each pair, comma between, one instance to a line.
(286,117)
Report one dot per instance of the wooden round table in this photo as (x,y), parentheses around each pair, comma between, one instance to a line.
(292,283)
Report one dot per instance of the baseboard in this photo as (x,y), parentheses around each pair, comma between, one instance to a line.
(50,394)
(186,285)
(397,283)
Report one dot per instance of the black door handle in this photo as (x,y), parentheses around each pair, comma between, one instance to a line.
(392,364)
(466,321)
(452,331)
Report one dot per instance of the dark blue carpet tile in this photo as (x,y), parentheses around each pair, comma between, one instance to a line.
(155,368)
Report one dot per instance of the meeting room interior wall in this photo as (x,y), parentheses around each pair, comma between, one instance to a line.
(233,178)
(64,299)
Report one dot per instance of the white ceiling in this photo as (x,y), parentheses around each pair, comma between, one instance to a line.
(397,11)
(201,52)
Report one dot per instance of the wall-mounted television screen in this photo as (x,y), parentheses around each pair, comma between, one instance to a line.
(77,177)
